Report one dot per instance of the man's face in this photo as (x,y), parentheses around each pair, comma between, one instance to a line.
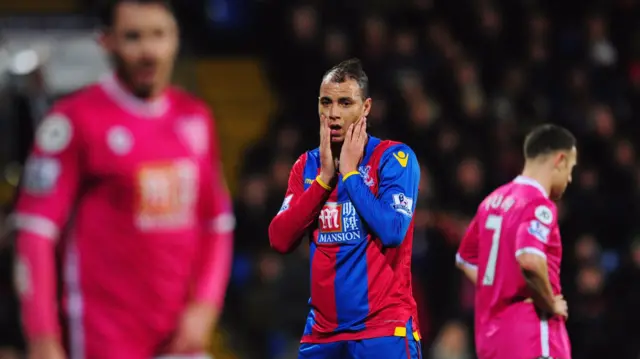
(564,164)
(143,43)
(342,104)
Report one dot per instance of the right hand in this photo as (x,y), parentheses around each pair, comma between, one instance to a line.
(560,306)
(327,164)
(46,348)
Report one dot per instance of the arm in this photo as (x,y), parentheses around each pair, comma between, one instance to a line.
(467,256)
(299,209)
(48,191)
(218,222)
(531,243)
(390,213)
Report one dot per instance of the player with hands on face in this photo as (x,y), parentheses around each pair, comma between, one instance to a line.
(354,198)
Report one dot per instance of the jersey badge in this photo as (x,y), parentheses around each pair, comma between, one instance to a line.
(544,214)
(119,140)
(54,134)
(402,158)
(365,174)
(194,133)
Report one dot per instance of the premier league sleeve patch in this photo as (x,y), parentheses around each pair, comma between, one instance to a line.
(539,230)
(285,203)
(41,175)
(403,204)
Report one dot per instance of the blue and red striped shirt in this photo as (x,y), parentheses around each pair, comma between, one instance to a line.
(360,250)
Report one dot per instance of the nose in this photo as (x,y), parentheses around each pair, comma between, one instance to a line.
(334,112)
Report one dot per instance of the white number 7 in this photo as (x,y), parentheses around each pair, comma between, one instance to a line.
(494,223)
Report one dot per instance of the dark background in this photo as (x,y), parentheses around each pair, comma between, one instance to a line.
(460,81)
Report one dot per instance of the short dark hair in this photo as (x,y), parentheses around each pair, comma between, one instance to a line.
(546,139)
(108,10)
(349,69)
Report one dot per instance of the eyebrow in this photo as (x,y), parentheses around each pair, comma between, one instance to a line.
(343,98)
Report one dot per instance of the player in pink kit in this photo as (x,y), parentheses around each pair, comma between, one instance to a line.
(512,252)
(125,178)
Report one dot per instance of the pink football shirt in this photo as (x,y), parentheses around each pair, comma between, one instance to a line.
(133,192)
(516,218)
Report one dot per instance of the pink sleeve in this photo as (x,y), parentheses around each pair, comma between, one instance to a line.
(48,191)
(214,267)
(535,227)
(468,252)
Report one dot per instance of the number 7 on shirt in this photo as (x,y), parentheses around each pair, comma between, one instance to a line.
(494,224)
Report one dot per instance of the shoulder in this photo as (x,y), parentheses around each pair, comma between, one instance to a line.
(541,208)
(188,102)
(301,162)
(397,154)
(545,211)
(313,154)
(76,101)
(64,122)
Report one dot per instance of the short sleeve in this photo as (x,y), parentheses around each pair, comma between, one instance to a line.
(467,254)
(535,227)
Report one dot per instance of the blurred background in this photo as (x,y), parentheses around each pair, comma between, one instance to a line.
(458,80)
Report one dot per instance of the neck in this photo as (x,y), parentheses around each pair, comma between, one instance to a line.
(117,90)
(153,94)
(539,174)
(336,148)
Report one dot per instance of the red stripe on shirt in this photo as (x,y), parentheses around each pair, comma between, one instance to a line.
(323,293)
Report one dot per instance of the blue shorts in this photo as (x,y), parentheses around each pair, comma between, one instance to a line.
(395,347)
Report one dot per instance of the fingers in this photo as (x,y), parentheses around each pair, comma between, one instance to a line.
(564,307)
(362,131)
(323,123)
(177,345)
(325,133)
(350,133)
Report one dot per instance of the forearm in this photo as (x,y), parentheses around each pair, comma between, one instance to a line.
(288,227)
(537,279)
(36,284)
(470,273)
(388,224)
(470,270)
(215,270)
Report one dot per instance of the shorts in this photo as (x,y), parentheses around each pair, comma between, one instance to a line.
(406,346)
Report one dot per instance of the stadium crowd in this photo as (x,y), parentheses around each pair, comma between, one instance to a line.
(460,82)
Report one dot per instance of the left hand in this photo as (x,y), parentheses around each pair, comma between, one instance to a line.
(353,146)
(194,329)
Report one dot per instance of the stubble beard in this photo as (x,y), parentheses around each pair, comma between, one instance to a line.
(144,91)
